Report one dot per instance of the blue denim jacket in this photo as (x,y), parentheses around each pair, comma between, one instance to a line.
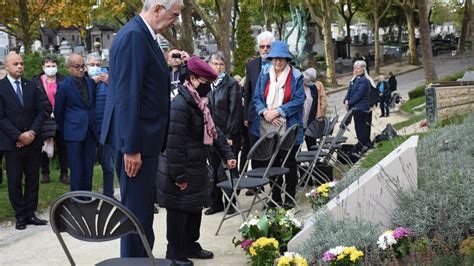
(292,110)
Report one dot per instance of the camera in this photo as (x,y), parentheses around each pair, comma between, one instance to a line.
(176,55)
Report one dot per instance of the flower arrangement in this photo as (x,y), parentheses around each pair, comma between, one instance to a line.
(398,240)
(263,251)
(319,196)
(275,223)
(291,259)
(342,255)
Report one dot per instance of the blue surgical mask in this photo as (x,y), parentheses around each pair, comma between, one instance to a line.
(93,71)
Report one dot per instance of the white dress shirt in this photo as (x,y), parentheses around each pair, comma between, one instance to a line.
(12,81)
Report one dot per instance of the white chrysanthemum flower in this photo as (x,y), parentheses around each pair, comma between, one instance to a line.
(386,240)
(337,250)
(332,183)
(289,254)
(253,222)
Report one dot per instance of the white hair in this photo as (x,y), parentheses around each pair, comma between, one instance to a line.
(148,4)
(95,56)
(266,35)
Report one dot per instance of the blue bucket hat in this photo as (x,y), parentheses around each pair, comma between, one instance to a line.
(280,50)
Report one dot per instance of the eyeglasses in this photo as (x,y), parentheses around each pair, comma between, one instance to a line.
(94,65)
(78,67)
(265,46)
(175,15)
(217,64)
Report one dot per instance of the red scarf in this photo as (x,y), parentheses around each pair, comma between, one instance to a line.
(287,88)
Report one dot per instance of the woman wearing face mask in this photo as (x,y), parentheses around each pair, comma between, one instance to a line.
(47,82)
(315,102)
(183,185)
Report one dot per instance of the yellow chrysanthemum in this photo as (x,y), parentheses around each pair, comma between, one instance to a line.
(284,261)
(300,261)
(324,188)
(252,252)
(341,256)
(356,255)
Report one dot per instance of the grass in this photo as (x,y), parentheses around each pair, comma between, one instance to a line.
(412,120)
(381,150)
(47,192)
(410,104)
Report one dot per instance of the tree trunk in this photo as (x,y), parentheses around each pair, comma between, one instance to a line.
(328,46)
(464,26)
(377,46)
(425,40)
(267,17)
(348,36)
(26,38)
(412,57)
(186,41)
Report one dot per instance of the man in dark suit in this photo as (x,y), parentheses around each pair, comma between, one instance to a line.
(136,116)
(74,113)
(252,71)
(21,118)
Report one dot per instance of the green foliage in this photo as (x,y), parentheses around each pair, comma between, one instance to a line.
(412,103)
(329,232)
(382,149)
(417,92)
(245,41)
(442,206)
(34,67)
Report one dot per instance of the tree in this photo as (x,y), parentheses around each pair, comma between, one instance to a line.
(425,41)
(409,7)
(324,19)
(347,9)
(21,19)
(377,9)
(245,41)
(464,26)
(216,15)
(280,15)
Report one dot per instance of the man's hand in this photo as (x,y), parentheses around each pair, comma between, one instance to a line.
(346,104)
(229,141)
(26,138)
(232,163)
(246,123)
(184,56)
(133,162)
(182,186)
(103,77)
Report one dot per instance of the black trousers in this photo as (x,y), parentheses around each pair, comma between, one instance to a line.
(61,154)
(291,178)
(182,232)
(362,123)
(245,148)
(24,161)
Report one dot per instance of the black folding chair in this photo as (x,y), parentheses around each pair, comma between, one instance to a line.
(286,143)
(262,150)
(93,217)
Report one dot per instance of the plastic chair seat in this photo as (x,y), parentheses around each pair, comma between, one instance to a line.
(272,171)
(134,261)
(244,183)
(311,153)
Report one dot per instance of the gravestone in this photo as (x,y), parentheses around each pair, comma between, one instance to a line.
(371,196)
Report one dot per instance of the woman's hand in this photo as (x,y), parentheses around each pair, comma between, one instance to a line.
(277,121)
(232,163)
(182,186)
(271,114)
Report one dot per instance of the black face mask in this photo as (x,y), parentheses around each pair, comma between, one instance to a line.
(203,89)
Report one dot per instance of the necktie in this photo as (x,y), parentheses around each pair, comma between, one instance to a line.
(18,92)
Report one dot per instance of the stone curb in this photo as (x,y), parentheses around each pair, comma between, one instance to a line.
(397,73)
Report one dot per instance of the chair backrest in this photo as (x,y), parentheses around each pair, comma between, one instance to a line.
(316,129)
(264,148)
(288,140)
(93,217)
(332,125)
(346,120)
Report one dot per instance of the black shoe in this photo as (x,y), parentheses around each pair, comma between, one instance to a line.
(36,221)
(250,193)
(155,210)
(213,210)
(288,206)
(201,254)
(45,179)
(182,262)
(20,224)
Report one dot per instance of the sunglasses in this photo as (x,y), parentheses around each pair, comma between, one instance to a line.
(265,46)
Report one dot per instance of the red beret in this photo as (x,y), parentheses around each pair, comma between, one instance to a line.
(202,69)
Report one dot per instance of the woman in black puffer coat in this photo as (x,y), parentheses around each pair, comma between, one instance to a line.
(183,185)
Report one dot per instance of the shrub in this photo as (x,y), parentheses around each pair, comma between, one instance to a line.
(442,206)
(417,92)
(33,64)
(329,232)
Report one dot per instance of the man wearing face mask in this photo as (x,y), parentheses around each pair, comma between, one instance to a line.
(105,152)
(74,112)
(47,82)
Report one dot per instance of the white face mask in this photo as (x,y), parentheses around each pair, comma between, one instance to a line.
(93,71)
(50,71)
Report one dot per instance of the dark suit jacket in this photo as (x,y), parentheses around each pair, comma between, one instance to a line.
(252,70)
(72,114)
(15,119)
(136,115)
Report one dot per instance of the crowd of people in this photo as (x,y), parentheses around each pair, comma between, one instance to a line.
(166,123)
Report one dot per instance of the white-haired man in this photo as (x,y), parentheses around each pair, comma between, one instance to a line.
(252,71)
(136,115)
